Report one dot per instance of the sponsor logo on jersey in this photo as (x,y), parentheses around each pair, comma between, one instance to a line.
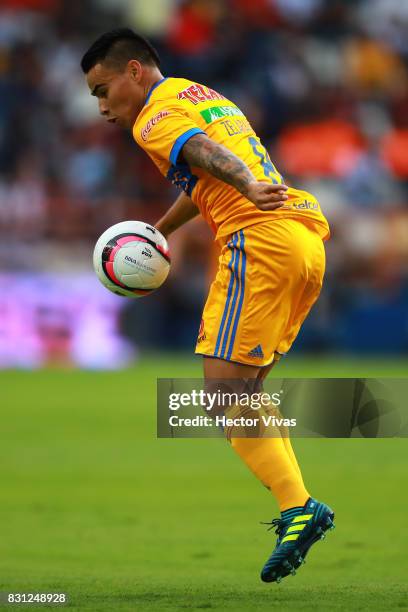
(199,93)
(144,132)
(217,112)
(306,205)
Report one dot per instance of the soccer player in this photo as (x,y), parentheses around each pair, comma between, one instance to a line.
(272,257)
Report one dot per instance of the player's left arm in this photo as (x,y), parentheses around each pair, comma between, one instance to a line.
(201,151)
(180,212)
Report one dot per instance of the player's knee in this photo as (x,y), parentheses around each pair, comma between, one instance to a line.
(222,395)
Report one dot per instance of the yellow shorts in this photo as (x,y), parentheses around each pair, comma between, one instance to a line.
(269,276)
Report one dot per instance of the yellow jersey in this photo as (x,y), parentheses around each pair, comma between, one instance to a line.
(175,110)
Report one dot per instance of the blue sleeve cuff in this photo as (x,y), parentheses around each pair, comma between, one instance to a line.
(181,141)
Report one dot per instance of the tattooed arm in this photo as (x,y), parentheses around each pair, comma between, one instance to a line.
(219,161)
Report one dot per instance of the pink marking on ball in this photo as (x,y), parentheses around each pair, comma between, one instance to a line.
(163,251)
(112,275)
(127,239)
(122,242)
(113,252)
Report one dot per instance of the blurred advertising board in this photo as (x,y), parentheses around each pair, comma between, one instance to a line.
(64,320)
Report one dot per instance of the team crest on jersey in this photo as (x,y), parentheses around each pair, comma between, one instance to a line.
(144,132)
(201,332)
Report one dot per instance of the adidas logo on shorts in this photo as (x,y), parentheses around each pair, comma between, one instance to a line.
(256,352)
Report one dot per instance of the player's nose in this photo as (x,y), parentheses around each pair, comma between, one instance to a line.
(103,108)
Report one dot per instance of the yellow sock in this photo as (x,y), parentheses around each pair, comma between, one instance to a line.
(268,459)
(291,455)
(284,432)
(271,459)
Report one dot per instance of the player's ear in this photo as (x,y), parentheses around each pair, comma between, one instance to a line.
(134,69)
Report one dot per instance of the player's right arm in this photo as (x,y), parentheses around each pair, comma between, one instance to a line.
(179,213)
(219,161)
(171,134)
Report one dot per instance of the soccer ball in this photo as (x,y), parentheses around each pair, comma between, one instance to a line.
(132,259)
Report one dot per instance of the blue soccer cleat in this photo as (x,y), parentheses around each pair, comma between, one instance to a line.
(296,535)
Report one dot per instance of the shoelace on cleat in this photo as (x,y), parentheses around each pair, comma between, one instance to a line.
(280,525)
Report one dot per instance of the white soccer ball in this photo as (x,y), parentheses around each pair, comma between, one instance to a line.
(132,258)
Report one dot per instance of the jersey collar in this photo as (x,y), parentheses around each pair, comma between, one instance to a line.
(153,87)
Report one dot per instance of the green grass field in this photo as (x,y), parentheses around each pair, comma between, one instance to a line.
(94,505)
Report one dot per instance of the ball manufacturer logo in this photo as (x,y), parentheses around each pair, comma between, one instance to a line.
(147,252)
(130,260)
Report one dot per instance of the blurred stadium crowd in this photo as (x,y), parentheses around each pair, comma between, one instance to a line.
(325,84)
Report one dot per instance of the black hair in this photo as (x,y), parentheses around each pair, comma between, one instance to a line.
(118,47)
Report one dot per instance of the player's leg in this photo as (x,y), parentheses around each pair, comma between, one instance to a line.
(284,431)
(266,457)
(241,328)
(269,460)
(249,315)
(299,529)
